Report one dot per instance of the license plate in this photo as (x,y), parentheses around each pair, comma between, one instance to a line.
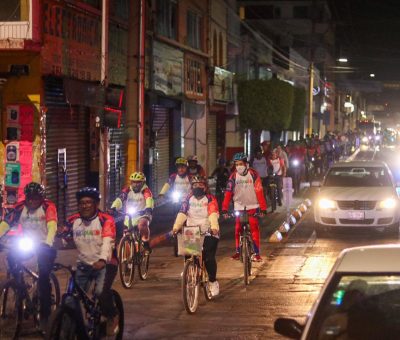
(356,215)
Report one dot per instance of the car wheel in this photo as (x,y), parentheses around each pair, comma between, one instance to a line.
(321,230)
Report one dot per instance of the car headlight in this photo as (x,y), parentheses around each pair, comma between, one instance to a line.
(326,204)
(388,203)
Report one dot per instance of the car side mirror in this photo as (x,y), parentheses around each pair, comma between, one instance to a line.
(288,327)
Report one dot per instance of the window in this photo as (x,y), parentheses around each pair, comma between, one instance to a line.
(167,18)
(300,12)
(193,25)
(221,50)
(14,10)
(215,48)
(259,12)
(358,177)
(194,73)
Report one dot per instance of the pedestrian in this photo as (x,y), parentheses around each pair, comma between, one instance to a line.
(260,164)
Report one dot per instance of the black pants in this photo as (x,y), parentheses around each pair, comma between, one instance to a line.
(45,257)
(209,250)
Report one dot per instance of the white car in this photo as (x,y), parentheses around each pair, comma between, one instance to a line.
(358,194)
(359,300)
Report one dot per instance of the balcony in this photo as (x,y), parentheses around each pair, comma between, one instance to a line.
(19,30)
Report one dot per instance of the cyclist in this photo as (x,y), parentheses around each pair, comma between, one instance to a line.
(94,235)
(245,187)
(260,164)
(179,180)
(278,168)
(201,208)
(138,196)
(36,217)
(221,173)
(194,167)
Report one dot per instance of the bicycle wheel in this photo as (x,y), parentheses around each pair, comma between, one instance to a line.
(121,316)
(126,253)
(250,250)
(10,310)
(55,298)
(190,286)
(63,325)
(206,288)
(245,255)
(144,260)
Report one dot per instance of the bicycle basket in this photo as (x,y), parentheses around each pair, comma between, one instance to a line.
(190,242)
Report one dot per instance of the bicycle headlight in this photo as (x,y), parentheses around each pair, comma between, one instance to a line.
(176,195)
(388,203)
(131,211)
(365,139)
(25,244)
(295,162)
(237,213)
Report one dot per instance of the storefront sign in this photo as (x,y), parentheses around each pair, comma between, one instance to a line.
(222,90)
(168,69)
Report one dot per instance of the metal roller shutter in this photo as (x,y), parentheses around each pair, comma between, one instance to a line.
(66,128)
(117,162)
(212,142)
(160,171)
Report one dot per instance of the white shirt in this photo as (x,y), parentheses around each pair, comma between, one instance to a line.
(34,224)
(182,185)
(244,193)
(197,215)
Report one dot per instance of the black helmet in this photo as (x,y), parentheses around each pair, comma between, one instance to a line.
(88,192)
(34,189)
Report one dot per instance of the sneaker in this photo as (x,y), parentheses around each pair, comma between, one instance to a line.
(236,256)
(214,288)
(257,258)
(112,326)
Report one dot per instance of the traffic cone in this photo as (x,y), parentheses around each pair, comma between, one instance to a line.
(276,237)
(292,220)
(284,228)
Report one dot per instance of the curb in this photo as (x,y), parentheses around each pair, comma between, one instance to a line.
(294,218)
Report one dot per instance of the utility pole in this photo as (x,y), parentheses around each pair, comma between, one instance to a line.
(310,98)
(135,87)
(103,154)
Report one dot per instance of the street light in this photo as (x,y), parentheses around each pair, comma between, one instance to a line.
(372,75)
(342,60)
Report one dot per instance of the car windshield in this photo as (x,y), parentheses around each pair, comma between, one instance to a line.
(359,307)
(358,177)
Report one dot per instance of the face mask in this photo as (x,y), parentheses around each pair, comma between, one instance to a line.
(241,169)
(198,192)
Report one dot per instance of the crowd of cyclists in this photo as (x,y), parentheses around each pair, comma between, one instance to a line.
(243,181)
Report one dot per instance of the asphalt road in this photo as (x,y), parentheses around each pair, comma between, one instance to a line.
(286,283)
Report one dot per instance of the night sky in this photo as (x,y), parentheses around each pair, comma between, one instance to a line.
(368,34)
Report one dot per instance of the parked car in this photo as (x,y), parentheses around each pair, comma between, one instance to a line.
(359,300)
(358,194)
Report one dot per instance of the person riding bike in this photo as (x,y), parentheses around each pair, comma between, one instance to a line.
(93,232)
(221,173)
(278,168)
(137,196)
(36,217)
(245,188)
(194,167)
(260,164)
(179,181)
(201,208)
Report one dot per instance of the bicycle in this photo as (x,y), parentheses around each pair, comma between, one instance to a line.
(131,253)
(246,246)
(19,299)
(194,272)
(79,315)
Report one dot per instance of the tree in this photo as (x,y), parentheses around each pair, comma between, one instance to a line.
(299,109)
(265,105)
